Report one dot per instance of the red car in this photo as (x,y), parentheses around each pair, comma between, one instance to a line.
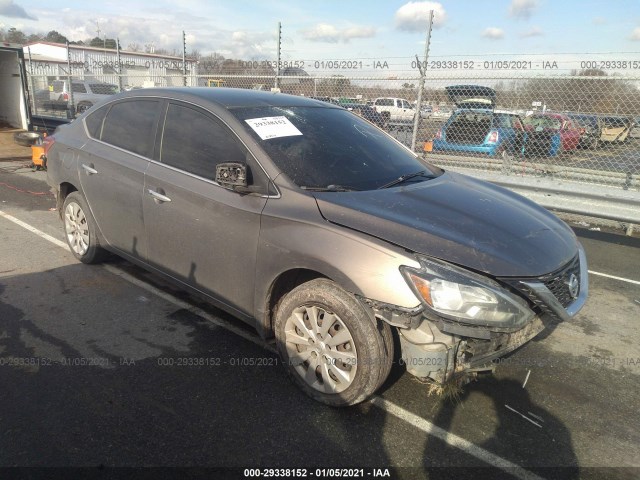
(550,134)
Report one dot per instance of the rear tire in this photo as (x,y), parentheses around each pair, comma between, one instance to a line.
(80,230)
(330,345)
(26,139)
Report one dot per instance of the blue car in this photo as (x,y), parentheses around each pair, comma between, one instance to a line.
(476,127)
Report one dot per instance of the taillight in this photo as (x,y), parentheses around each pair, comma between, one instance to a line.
(65,97)
(493,137)
(439,135)
(47,143)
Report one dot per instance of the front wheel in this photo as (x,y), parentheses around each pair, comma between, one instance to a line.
(333,349)
(80,230)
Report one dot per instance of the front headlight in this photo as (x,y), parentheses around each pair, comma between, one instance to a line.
(466,297)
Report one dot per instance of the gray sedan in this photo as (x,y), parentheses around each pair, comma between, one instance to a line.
(317,228)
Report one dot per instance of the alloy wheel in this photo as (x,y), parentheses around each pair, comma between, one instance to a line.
(321,349)
(76,228)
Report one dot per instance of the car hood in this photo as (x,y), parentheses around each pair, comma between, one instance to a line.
(460,220)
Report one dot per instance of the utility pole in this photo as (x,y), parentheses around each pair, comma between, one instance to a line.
(278,53)
(423,75)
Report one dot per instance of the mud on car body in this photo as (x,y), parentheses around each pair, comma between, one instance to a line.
(317,228)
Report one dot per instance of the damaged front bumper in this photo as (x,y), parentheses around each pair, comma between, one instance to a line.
(439,349)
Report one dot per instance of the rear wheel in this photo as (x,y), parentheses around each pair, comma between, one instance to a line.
(332,348)
(80,230)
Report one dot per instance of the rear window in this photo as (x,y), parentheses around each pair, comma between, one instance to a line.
(475,118)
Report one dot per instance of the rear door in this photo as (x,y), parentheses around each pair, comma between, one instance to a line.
(199,232)
(570,135)
(112,166)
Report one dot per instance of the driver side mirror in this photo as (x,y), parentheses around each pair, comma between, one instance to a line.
(232,175)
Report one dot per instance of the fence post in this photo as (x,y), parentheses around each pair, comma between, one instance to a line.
(423,74)
(33,90)
(278,54)
(72,112)
(184,58)
(119,64)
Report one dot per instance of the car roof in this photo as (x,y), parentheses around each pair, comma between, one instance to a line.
(228,97)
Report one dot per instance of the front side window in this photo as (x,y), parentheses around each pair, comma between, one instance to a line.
(78,88)
(131,125)
(320,147)
(195,142)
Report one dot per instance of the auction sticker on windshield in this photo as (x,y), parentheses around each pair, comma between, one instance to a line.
(273,127)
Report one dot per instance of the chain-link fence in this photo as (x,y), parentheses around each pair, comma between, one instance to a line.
(574,120)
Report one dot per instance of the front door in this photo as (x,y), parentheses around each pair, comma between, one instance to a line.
(197,231)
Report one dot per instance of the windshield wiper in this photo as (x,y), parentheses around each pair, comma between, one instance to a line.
(403,178)
(331,188)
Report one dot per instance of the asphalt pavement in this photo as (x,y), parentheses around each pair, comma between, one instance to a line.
(107,366)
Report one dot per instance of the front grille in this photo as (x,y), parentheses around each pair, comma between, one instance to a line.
(558,282)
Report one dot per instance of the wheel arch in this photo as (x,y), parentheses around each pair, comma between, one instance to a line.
(64,189)
(279,287)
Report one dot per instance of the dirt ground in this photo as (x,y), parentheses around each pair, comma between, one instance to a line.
(9,150)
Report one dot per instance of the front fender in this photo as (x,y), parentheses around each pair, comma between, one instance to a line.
(294,235)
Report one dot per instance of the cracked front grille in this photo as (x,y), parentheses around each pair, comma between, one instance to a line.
(558,282)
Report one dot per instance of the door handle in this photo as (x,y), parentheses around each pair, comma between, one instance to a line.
(158,197)
(89,169)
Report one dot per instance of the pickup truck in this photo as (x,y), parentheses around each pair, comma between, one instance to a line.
(397,111)
(86,93)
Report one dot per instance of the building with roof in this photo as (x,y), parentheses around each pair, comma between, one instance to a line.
(46,62)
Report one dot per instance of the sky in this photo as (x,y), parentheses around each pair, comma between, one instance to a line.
(344,29)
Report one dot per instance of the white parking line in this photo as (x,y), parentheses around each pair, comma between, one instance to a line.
(453,440)
(389,407)
(606,275)
(40,233)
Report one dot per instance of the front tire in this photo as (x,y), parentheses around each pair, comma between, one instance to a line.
(332,348)
(80,230)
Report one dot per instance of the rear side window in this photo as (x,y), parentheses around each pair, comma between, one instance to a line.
(104,88)
(131,125)
(384,102)
(195,142)
(94,122)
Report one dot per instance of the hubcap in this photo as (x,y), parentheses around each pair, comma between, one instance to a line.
(76,228)
(321,349)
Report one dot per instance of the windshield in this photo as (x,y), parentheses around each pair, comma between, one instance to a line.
(323,147)
(541,123)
